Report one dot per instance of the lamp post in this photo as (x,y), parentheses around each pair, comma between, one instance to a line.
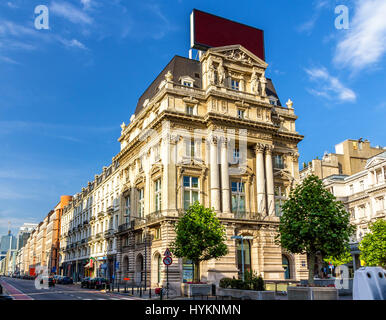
(242,238)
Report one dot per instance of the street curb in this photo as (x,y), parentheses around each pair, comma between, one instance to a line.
(6,293)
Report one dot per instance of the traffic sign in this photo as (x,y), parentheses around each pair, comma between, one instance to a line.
(167,253)
(168,261)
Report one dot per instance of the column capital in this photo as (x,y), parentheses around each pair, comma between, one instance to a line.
(259,147)
(171,138)
(224,141)
(294,155)
(213,140)
(269,148)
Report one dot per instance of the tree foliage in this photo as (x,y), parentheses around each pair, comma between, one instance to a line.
(373,245)
(342,259)
(200,236)
(314,222)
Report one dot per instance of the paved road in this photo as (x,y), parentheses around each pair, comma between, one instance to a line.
(21,289)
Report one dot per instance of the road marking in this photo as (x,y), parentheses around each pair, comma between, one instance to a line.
(15,293)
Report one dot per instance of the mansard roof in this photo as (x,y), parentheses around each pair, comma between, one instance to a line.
(180,67)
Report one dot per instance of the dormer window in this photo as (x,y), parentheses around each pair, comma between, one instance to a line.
(273,101)
(187,81)
(235,84)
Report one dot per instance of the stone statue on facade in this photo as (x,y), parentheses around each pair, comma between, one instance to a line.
(254,82)
(211,74)
(221,74)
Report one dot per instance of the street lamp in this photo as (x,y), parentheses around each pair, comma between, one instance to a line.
(242,238)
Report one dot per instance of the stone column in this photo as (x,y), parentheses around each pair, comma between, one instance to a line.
(214,176)
(269,173)
(225,176)
(260,179)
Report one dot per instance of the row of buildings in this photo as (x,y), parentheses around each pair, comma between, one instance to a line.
(212,130)
(356,175)
(11,245)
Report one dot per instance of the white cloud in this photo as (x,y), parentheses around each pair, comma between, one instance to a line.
(12,5)
(328,86)
(309,25)
(70,12)
(365,42)
(73,43)
(86,4)
(8,60)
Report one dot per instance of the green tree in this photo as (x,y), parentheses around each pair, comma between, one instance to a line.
(200,236)
(314,222)
(342,259)
(373,245)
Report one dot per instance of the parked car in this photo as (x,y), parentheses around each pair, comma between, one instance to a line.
(50,280)
(66,280)
(98,283)
(85,283)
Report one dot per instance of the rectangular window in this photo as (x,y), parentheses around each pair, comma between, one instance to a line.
(190,148)
(235,84)
(280,197)
(238,197)
(158,194)
(351,189)
(188,84)
(141,203)
(278,161)
(191,191)
(157,234)
(127,209)
(240,114)
(190,110)
(361,185)
(236,155)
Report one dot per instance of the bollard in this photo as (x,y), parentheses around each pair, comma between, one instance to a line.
(149,293)
(118,287)
(160,294)
(140,291)
(132,289)
(125,288)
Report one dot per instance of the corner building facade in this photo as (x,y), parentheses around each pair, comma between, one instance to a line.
(211,130)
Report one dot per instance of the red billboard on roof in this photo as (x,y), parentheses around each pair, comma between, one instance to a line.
(208,30)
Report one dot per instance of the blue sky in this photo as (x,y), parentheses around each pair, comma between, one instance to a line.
(65,91)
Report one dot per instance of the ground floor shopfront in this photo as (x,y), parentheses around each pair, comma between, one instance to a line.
(141,256)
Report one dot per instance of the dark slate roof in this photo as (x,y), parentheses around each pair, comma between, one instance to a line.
(178,66)
(181,66)
(270,91)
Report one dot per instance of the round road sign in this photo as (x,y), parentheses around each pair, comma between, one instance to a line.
(168,261)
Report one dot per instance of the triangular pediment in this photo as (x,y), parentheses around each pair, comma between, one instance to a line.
(376,160)
(240,54)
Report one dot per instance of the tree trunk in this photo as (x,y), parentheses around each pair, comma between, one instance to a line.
(196,274)
(311,267)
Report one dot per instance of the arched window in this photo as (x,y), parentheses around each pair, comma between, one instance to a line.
(247,256)
(286,267)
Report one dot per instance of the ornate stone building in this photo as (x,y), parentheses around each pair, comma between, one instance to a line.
(364,195)
(215,131)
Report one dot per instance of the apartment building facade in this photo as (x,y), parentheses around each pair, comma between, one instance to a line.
(364,195)
(215,131)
